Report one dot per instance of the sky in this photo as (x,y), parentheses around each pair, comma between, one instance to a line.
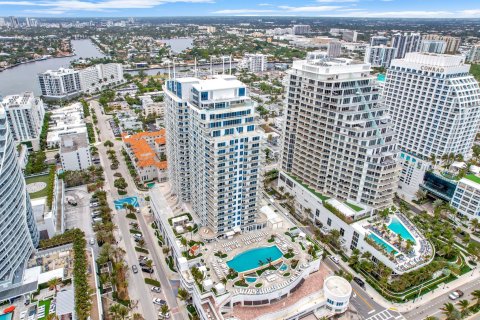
(329,8)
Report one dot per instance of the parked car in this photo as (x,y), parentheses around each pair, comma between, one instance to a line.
(95,214)
(147,270)
(166,316)
(334,259)
(156,289)
(142,258)
(94,204)
(92,241)
(159,301)
(359,281)
(455,294)
(137,235)
(134,269)
(23,314)
(97,220)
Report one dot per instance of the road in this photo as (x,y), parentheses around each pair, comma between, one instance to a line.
(432,308)
(137,288)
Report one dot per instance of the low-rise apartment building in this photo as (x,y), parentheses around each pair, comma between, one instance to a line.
(147,152)
(75,152)
(65,121)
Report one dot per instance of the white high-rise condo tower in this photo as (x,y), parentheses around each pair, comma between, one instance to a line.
(338,138)
(405,43)
(25,116)
(434,103)
(214,150)
(19,235)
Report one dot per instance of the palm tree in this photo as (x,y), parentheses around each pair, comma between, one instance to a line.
(190,229)
(118,312)
(51,316)
(431,318)
(224,281)
(475,224)
(183,241)
(53,283)
(448,310)
(463,305)
(138,316)
(437,203)
(164,310)
(433,159)
(141,243)
(476,295)
(183,294)
(149,265)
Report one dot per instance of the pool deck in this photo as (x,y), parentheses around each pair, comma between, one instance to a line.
(309,287)
(421,253)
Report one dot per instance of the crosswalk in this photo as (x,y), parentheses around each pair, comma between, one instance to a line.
(386,315)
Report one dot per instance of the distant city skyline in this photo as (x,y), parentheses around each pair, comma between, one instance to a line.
(333,8)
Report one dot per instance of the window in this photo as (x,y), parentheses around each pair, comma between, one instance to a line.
(241,92)
(204,96)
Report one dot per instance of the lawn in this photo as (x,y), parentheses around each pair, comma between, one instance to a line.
(47,307)
(41,193)
(353,206)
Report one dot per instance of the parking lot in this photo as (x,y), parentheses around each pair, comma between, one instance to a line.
(79,216)
(116,129)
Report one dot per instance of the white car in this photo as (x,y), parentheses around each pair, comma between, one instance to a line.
(23,314)
(159,301)
(334,259)
(455,295)
(166,316)
(92,241)
(156,289)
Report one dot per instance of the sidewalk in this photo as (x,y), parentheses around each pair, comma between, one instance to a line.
(408,306)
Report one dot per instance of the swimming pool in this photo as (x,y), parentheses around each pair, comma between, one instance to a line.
(128,200)
(381,242)
(283,267)
(397,227)
(250,259)
(250,279)
(6,316)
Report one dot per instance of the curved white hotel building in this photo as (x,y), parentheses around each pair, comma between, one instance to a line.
(18,232)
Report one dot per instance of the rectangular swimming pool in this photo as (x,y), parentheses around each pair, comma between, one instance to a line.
(382,243)
(397,227)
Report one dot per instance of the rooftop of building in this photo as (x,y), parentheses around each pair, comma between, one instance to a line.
(59,71)
(427,59)
(328,66)
(145,155)
(338,286)
(73,142)
(18,99)
(218,83)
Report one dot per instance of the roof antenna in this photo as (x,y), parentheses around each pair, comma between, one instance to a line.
(174,76)
(195,67)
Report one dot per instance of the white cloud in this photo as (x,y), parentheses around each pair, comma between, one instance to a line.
(265,4)
(473,12)
(243,11)
(60,6)
(310,8)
